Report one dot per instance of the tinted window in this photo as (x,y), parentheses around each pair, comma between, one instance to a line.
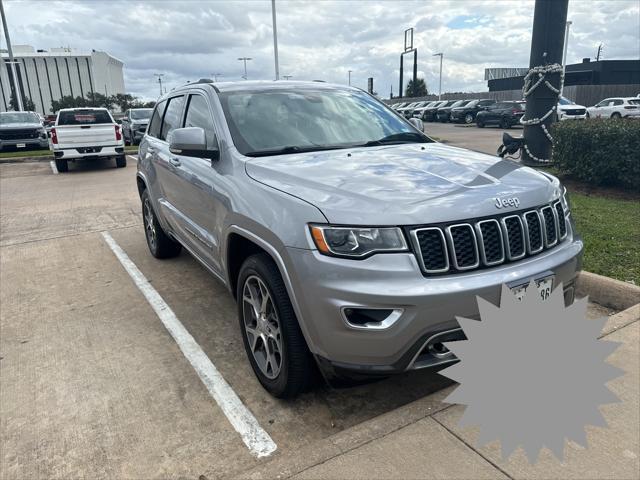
(172,116)
(141,113)
(486,102)
(617,102)
(634,101)
(84,117)
(198,115)
(156,120)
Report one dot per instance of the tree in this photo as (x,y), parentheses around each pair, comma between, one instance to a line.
(417,90)
(27,104)
(124,100)
(69,102)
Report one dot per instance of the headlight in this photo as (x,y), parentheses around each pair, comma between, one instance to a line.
(357,242)
(564,199)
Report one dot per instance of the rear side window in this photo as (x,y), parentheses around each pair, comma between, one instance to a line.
(172,116)
(198,115)
(156,120)
(617,102)
(84,117)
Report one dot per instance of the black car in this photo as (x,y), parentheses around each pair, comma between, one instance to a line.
(442,114)
(504,114)
(467,113)
(429,113)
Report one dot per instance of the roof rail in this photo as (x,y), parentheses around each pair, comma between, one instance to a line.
(204,80)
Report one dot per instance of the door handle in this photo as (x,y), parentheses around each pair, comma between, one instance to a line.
(151,150)
(175,161)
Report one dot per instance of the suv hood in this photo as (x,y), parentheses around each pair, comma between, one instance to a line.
(406,184)
(20,125)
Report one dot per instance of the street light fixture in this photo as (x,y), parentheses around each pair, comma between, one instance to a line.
(287,77)
(12,62)
(159,75)
(245,59)
(440,87)
(215,76)
(350,77)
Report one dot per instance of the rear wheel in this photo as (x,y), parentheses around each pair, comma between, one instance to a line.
(271,334)
(479,123)
(62,165)
(159,243)
(468,118)
(616,115)
(121,161)
(505,123)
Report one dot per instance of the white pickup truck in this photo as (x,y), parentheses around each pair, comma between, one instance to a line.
(86,133)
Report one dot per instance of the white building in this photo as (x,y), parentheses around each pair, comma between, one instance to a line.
(46,75)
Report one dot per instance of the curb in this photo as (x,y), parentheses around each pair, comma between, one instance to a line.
(607,291)
(39,158)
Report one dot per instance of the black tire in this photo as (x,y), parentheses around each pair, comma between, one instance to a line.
(121,161)
(479,123)
(588,116)
(468,118)
(126,139)
(161,245)
(616,115)
(62,165)
(296,373)
(505,123)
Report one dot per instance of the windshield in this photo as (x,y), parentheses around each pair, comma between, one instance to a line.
(141,114)
(18,117)
(472,103)
(261,121)
(565,101)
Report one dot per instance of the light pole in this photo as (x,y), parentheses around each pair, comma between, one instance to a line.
(245,59)
(159,75)
(215,76)
(275,38)
(11,60)
(440,87)
(564,55)
(350,76)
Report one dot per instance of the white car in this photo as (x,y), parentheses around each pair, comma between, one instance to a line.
(617,107)
(568,110)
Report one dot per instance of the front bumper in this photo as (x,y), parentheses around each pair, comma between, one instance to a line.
(564,116)
(27,142)
(428,306)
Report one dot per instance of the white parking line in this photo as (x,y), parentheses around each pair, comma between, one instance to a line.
(54,169)
(255,438)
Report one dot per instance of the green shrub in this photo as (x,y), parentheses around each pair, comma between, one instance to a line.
(598,151)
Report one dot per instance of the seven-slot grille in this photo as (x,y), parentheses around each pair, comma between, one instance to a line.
(490,241)
(21,134)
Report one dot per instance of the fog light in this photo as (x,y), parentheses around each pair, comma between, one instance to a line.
(371,318)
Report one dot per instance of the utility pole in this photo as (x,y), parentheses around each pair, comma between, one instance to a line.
(549,27)
(350,76)
(564,55)
(440,87)
(275,38)
(599,52)
(12,62)
(245,59)
(159,75)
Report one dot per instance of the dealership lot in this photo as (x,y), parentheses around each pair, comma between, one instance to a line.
(93,385)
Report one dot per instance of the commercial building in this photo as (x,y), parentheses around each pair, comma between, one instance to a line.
(46,75)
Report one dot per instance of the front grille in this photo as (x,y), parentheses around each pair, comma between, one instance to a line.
(489,241)
(575,111)
(22,134)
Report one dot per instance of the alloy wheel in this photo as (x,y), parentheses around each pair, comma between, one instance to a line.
(262,326)
(468,118)
(149,224)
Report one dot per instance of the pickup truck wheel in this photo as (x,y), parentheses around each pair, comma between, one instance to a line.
(121,161)
(62,165)
(271,334)
(159,243)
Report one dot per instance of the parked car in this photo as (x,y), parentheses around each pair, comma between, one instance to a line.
(504,114)
(398,105)
(568,110)
(467,113)
(443,114)
(410,112)
(86,133)
(134,124)
(417,113)
(429,113)
(21,130)
(408,106)
(381,245)
(618,107)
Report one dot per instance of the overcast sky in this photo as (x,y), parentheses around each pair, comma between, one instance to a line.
(187,40)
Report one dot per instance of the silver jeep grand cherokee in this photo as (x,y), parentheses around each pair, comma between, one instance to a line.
(349,239)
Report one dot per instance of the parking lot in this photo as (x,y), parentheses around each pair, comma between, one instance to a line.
(93,384)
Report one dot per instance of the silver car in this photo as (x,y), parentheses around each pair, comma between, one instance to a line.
(22,130)
(349,239)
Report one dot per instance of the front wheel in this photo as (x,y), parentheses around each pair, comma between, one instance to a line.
(480,123)
(505,123)
(616,115)
(272,338)
(468,118)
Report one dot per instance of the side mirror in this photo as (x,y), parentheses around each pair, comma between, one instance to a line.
(416,122)
(192,142)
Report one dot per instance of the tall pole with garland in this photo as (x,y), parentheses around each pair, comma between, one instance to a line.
(543,82)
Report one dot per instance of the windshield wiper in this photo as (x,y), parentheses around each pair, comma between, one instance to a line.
(402,137)
(291,149)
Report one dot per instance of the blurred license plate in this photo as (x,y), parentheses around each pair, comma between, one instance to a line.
(21,145)
(544,286)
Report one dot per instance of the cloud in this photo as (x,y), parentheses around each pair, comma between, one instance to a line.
(187,40)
